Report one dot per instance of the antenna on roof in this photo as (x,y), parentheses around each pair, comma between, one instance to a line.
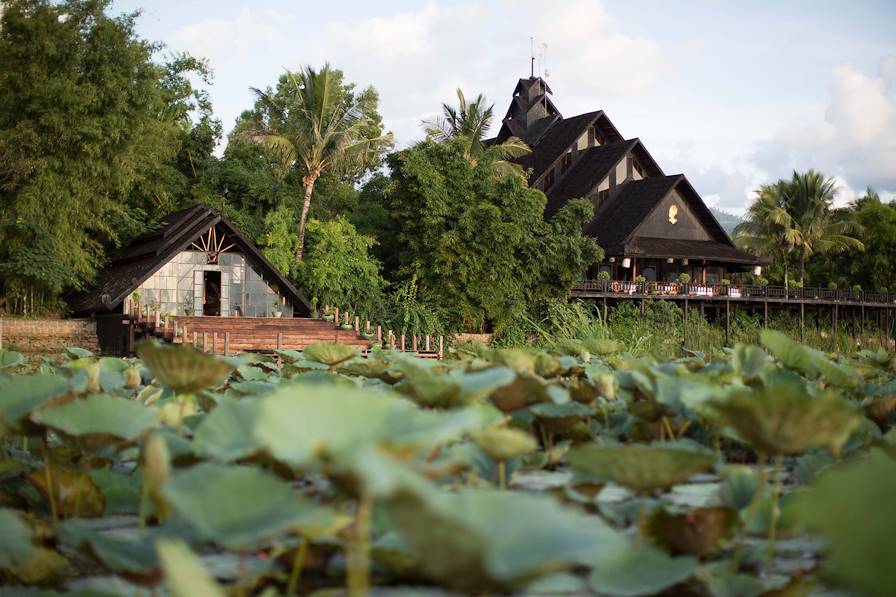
(531,57)
(544,61)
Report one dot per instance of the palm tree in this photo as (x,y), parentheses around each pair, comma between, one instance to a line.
(317,131)
(816,229)
(471,121)
(767,227)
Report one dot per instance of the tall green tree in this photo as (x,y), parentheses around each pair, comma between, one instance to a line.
(470,122)
(476,244)
(315,128)
(87,118)
(809,201)
(767,227)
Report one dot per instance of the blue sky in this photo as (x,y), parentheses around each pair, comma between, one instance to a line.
(732,94)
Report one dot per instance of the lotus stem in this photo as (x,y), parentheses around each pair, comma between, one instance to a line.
(668,427)
(773,524)
(642,517)
(502,475)
(48,477)
(751,509)
(297,563)
(359,561)
(240,589)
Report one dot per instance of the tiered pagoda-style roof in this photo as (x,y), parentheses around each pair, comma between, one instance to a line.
(586,157)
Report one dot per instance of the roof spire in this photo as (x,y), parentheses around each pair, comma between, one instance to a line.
(532,57)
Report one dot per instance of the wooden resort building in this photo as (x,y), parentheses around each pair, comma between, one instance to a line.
(649,223)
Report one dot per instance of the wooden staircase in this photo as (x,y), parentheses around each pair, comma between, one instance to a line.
(230,335)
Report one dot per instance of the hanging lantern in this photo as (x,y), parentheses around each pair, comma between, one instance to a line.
(612,260)
(757,271)
(669,260)
(626,263)
(684,261)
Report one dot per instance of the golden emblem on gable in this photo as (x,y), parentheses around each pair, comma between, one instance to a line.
(673,214)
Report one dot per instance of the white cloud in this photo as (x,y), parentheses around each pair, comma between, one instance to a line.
(855,140)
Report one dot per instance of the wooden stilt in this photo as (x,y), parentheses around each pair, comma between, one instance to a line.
(728,323)
(441,348)
(765,313)
(802,322)
(685,340)
(226,344)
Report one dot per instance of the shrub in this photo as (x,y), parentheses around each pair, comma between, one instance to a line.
(725,282)
(857,288)
(760,281)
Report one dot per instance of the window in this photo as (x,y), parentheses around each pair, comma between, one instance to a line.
(549,179)
(602,197)
(566,162)
(598,138)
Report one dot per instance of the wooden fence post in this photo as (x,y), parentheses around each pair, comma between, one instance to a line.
(214,342)
(426,345)
(336,316)
(279,340)
(441,348)
(402,343)
(802,321)
(414,343)
(727,322)
(158,317)
(226,344)
(204,341)
(685,341)
(379,334)
(367,326)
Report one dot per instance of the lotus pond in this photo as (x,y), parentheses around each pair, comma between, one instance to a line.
(770,472)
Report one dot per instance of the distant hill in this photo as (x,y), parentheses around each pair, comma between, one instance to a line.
(727,220)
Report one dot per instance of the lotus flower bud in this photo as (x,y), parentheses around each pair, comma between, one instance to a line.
(132,378)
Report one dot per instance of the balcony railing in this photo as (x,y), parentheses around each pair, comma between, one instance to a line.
(660,289)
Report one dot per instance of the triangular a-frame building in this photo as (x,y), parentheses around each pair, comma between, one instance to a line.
(195,263)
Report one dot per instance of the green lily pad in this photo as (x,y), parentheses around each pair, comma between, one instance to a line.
(859,536)
(227,433)
(16,548)
(458,388)
(22,394)
(748,361)
(640,467)
(485,540)
(559,418)
(98,415)
(76,352)
(239,507)
(10,359)
(790,353)
(785,419)
(695,532)
(121,492)
(300,423)
(633,571)
(183,368)
(524,391)
(329,354)
(130,551)
(502,443)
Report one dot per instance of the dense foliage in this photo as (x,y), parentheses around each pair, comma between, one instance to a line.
(92,131)
(583,470)
(476,240)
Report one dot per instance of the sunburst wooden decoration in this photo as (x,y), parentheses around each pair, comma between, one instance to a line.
(212,245)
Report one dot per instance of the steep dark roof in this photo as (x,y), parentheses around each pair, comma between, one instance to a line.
(147,253)
(592,165)
(626,208)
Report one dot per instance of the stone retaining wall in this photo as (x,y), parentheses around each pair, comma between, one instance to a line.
(48,335)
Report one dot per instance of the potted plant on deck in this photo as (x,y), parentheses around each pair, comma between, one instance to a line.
(315,314)
(724,284)
(684,280)
(641,282)
(603,277)
(276,312)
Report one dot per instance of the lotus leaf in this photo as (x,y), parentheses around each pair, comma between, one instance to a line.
(642,468)
(840,507)
(458,388)
(525,390)
(748,361)
(836,375)
(501,443)
(479,540)
(184,573)
(785,419)
(44,567)
(228,432)
(559,418)
(75,493)
(693,533)
(738,487)
(329,354)
(548,366)
(120,492)
(76,352)
(603,346)
(16,548)
(10,359)
(238,507)
(183,368)
(518,359)
(98,416)
(634,571)
(368,367)
(123,551)
(301,422)
(23,394)
(790,353)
